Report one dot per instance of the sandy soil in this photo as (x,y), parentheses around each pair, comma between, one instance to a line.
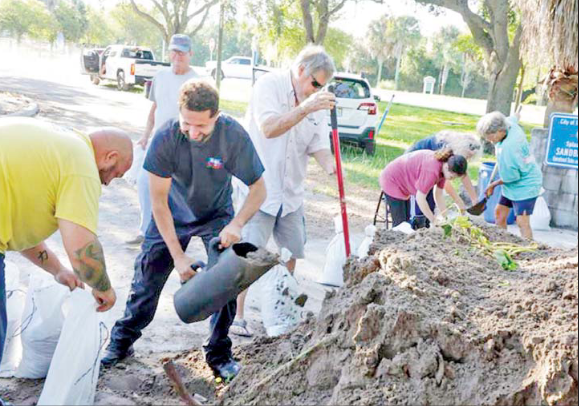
(12,102)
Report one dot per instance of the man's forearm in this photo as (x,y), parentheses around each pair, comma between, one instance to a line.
(255,198)
(44,258)
(325,159)
(166,226)
(89,264)
(279,125)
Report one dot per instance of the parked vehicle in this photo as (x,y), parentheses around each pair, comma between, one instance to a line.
(357,111)
(234,67)
(124,64)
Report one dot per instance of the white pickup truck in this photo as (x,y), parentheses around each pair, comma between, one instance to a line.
(125,64)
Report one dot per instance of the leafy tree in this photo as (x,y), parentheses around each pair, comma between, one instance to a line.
(71,19)
(25,17)
(403,33)
(471,59)
(175,16)
(99,31)
(377,43)
(129,28)
(495,28)
(320,13)
(447,56)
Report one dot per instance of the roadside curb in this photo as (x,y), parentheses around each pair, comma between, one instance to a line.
(30,111)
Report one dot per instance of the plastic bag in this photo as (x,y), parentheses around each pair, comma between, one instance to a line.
(14,305)
(364,247)
(73,374)
(41,325)
(138,160)
(279,291)
(333,273)
(405,228)
(541,217)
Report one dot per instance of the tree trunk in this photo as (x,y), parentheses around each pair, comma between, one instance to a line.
(520,88)
(397,75)
(557,106)
(379,77)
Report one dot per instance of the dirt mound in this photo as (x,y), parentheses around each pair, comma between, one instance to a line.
(425,320)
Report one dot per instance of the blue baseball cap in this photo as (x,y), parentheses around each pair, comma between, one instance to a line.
(180,42)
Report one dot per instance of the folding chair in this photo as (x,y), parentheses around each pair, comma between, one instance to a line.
(378,218)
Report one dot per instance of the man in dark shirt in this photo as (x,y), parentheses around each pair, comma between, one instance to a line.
(190,164)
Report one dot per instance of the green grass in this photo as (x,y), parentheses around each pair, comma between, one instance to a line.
(403,127)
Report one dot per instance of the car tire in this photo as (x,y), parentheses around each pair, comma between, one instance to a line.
(121,83)
(95,79)
(370,148)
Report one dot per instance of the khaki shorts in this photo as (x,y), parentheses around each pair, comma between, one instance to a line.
(288,232)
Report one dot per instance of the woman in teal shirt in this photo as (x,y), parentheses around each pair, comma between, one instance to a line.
(519,173)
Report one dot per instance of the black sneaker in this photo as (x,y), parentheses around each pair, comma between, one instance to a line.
(113,357)
(226,370)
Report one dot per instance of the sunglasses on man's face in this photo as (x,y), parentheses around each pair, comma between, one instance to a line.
(315,83)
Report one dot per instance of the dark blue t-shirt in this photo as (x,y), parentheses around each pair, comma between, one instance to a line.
(201,172)
(429,143)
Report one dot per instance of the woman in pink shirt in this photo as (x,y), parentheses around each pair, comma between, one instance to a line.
(416,174)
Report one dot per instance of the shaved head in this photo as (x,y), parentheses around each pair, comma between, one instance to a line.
(113,151)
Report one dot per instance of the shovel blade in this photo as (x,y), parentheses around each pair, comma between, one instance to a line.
(478,208)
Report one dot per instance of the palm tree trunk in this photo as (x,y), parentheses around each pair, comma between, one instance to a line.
(379,77)
(520,88)
(397,75)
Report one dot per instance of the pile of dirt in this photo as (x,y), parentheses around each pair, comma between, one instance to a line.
(425,320)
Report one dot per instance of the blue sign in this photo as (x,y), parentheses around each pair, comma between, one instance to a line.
(563,145)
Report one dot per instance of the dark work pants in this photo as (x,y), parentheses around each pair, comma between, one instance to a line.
(399,210)
(152,269)
(3,316)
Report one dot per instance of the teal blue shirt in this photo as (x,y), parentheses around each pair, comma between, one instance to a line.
(518,169)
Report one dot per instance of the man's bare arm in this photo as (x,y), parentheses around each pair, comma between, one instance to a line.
(44,258)
(278,125)
(326,160)
(87,258)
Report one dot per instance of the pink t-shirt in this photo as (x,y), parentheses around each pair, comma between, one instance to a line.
(416,171)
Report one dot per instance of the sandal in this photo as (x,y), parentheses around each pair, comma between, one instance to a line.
(239,328)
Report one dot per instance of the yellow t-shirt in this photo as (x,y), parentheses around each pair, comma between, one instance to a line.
(46,173)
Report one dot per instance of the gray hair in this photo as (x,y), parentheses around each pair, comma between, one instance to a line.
(313,58)
(467,145)
(492,123)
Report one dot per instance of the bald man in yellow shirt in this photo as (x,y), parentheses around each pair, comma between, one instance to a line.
(50,179)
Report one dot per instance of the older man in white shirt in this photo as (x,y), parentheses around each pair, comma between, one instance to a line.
(287,122)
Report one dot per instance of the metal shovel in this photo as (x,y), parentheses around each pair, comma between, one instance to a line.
(481,206)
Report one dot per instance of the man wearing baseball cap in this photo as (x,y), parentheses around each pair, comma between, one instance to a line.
(164,95)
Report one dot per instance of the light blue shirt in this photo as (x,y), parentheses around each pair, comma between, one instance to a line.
(518,169)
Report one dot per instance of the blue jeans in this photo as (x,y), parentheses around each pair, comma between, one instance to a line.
(152,269)
(3,317)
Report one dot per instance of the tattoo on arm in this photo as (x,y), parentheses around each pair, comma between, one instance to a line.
(91,267)
(43,256)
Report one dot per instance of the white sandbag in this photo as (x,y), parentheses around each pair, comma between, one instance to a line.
(405,228)
(541,217)
(364,247)
(279,312)
(15,297)
(333,273)
(138,160)
(41,324)
(73,374)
